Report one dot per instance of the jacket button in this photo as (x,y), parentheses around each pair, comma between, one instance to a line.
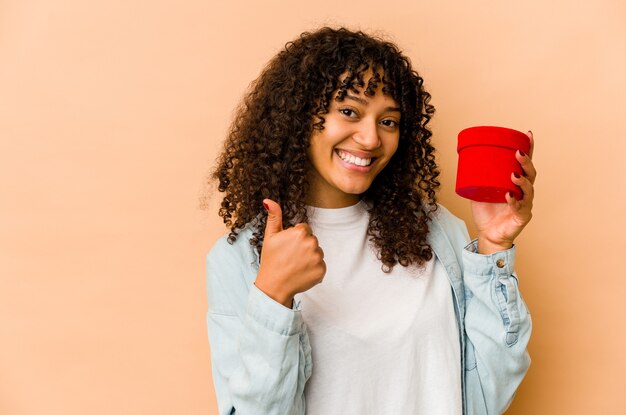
(500,263)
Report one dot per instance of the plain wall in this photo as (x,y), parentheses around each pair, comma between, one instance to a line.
(111,114)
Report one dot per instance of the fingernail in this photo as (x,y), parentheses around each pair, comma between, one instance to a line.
(521,153)
(517,176)
(266,206)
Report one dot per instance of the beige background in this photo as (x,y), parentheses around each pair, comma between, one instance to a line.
(112,112)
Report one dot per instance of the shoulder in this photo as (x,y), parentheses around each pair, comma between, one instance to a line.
(450,224)
(447,218)
(233,254)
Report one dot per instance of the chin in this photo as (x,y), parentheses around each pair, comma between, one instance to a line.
(355,190)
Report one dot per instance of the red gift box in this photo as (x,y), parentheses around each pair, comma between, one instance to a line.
(486,161)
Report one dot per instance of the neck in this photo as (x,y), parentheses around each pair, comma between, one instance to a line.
(332,203)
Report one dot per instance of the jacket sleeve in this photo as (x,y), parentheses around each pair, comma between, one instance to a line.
(497,327)
(260,352)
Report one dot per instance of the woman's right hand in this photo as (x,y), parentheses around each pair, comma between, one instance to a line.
(291,260)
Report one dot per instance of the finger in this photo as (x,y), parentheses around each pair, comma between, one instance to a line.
(532,143)
(305,227)
(527,165)
(316,241)
(321,251)
(274,217)
(512,201)
(324,268)
(527,188)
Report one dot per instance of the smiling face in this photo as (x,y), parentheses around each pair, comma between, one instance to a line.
(359,138)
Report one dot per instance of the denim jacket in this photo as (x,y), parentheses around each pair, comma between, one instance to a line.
(260,350)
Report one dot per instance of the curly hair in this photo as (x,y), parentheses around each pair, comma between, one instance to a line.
(265,153)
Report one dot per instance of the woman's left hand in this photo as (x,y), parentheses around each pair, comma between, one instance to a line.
(499,223)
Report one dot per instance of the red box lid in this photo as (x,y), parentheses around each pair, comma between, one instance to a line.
(493,136)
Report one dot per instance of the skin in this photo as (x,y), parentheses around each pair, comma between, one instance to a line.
(279,276)
(366,127)
(499,224)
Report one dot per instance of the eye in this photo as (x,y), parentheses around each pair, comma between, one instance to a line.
(348,112)
(390,123)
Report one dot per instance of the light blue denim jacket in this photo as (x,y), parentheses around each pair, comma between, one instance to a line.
(260,351)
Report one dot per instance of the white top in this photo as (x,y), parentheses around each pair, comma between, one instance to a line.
(380,343)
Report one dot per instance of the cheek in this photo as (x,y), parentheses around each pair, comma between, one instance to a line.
(322,145)
(316,152)
(393,146)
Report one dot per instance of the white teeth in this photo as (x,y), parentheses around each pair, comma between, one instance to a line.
(354,160)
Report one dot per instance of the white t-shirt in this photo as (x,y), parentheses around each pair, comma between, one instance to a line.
(380,343)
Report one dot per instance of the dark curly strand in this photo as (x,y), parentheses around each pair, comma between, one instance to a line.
(265,154)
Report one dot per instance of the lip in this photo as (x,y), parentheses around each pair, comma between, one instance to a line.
(359,154)
(353,167)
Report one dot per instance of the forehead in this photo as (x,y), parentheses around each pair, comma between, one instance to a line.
(379,98)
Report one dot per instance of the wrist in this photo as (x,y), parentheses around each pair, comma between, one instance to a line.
(487,247)
(274,293)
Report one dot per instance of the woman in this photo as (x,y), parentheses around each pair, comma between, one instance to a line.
(343,287)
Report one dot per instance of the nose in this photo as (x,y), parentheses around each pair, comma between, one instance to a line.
(367,135)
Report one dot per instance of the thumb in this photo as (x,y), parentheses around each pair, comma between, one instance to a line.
(274,217)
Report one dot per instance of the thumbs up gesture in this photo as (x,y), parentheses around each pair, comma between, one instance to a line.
(291,260)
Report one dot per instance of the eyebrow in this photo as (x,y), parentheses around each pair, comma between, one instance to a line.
(365,102)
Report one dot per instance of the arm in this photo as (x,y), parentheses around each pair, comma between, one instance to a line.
(260,350)
(497,327)
(497,322)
